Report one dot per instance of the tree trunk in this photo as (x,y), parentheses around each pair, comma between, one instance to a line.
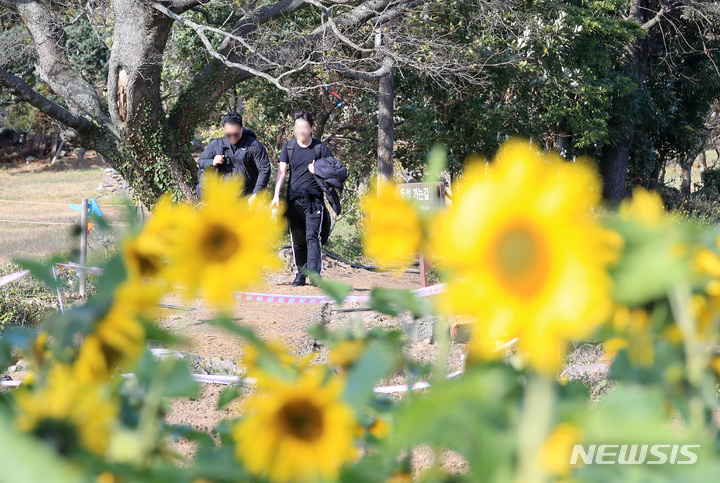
(152,159)
(613,168)
(699,150)
(616,157)
(703,159)
(329,104)
(386,126)
(658,169)
(662,172)
(686,185)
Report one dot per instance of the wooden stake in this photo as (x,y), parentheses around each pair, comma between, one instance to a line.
(424,269)
(83,244)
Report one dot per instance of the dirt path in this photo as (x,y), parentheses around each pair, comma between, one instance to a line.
(285,323)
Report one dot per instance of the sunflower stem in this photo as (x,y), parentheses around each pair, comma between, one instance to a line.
(534,427)
(695,355)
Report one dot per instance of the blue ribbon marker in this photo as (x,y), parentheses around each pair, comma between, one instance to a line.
(93,208)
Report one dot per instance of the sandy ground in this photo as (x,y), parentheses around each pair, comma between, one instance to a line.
(288,324)
(284,323)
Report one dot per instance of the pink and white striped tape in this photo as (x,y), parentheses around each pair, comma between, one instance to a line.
(258,297)
(249,381)
(10,383)
(324,299)
(77,268)
(13,277)
(284,298)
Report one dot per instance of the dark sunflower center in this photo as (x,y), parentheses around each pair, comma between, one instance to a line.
(149,265)
(302,419)
(521,260)
(112,355)
(61,435)
(220,243)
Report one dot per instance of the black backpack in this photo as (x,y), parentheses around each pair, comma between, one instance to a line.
(290,147)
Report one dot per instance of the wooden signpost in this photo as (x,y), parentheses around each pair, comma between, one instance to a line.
(428,196)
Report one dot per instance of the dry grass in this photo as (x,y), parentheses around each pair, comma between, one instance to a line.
(40,193)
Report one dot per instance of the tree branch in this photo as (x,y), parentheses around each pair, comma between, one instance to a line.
(210,20)
(224,72)
(333,26)
(385,68)
(24,92)
(198,99)
(655,20)
(201,29)
(181,6)
(53,65)
(265,14)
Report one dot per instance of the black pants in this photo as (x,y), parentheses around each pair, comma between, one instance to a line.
(306,220)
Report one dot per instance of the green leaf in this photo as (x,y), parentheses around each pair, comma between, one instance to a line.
(172,375)
(227,396)
(337,290)
(320,332)
(437,161)
(369,468)
(155,333)
(650,264)
(114,274)
(267,360)
(42,271)
(12,339)
(190,434)
(218,464)
(180,382)
(394,302)
(374,364)
(28,460)
(475,414)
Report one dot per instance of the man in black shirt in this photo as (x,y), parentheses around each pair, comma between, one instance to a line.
(306,211)
(237,153)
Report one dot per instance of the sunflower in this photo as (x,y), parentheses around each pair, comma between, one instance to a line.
(145,255)
(379,428)
(555,453)
(263,359)
(706,306)
(525,254)
(67,413)
(224,245)
(645,208)
(393,229)
(346,353)
(635,334)
(297,431)
(119,337)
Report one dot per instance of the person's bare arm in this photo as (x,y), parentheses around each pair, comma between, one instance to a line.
(281,172)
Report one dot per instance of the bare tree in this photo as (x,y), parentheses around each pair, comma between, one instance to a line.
(148,139)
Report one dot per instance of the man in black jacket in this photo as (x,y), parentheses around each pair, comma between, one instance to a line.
(237,153)
(306,211)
